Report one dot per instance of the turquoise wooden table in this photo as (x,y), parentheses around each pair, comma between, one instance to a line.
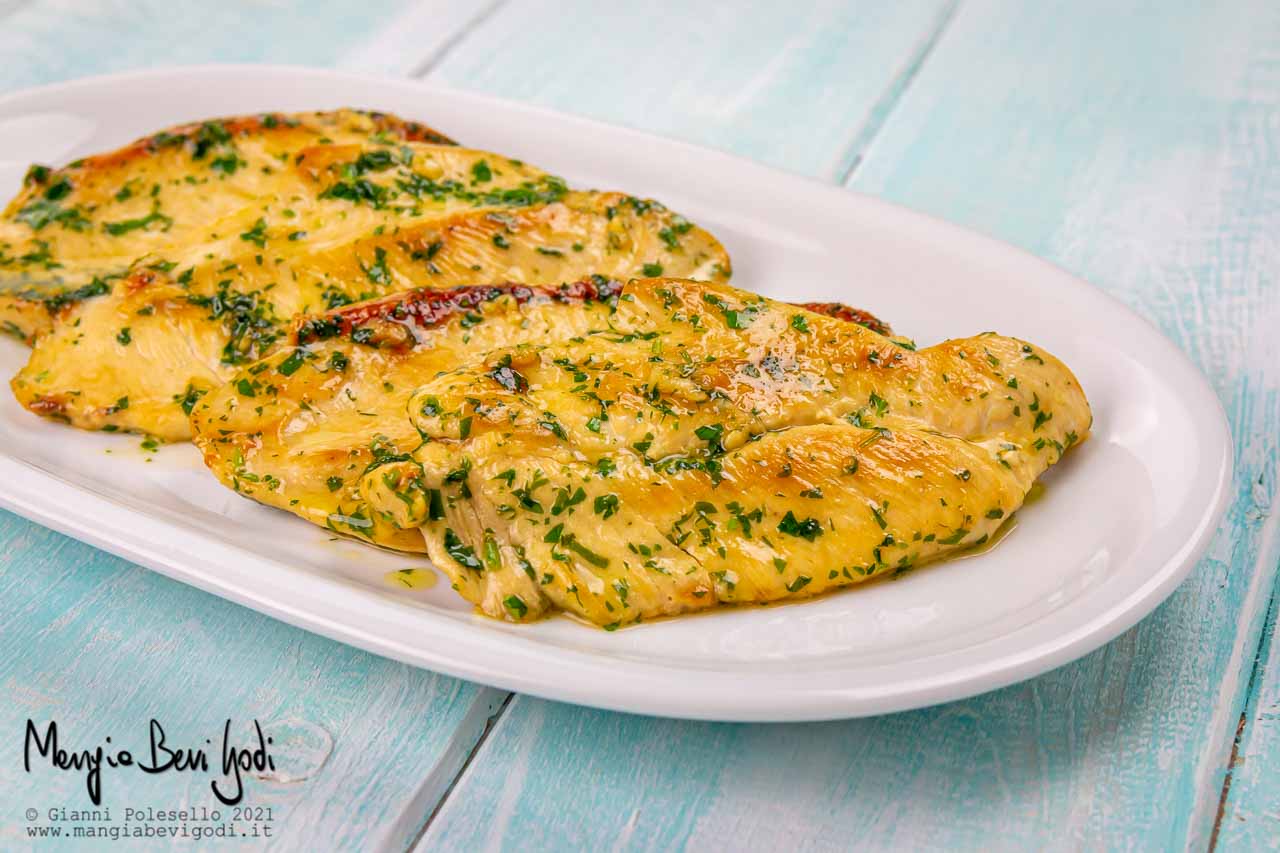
(1136,144)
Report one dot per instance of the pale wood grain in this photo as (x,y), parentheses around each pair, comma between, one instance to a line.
(886,43)
(1137,147)
(1155,176)
(102,647)
(411,42)
(790,84)
(48,40)
(1249,818)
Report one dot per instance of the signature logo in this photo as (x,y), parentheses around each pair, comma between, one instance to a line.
(160,758)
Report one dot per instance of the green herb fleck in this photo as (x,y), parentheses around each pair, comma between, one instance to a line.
(809,529)
(463,555)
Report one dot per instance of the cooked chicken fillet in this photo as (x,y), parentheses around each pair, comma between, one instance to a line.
(299,429)
(714,447)
(154,196)
(329,225)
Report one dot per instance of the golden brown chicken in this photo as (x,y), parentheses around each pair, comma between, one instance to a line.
(298,429)
(709,446)
(163,192)
(327,224)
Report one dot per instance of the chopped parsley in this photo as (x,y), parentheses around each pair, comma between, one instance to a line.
(142,223)
(257,235)
(809,529)
(463,555)
(606,505)
(290,365)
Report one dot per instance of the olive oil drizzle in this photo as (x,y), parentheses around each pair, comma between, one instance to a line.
(412,578)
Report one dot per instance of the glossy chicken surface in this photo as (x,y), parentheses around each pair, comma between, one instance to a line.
(299,429)
(714,447)
(310,222)
(156,196)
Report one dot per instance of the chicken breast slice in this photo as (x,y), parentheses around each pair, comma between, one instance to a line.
(299,429)
(565,476)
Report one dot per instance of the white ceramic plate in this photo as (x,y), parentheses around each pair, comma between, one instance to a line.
(1123,520)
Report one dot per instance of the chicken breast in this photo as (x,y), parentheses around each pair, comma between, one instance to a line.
(298,429)
(98,215)
(714,447)
(336,223)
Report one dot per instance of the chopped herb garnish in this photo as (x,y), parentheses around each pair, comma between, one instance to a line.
(115,229)
(257,235)
(187,400)
(291,364)
(508,377)
(377,271)
(711,434)
(571,542)
(463,555)
(606,505)
(799,583)
(809,529)
(492,558)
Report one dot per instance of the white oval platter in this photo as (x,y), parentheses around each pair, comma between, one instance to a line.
(1123,520)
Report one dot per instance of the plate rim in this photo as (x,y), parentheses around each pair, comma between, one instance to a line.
(45,498)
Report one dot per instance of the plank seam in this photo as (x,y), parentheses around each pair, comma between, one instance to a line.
(1261,659)
(1226,782)
(489,726)
(1209,797)
(443,775)
(428,64)
(878,115)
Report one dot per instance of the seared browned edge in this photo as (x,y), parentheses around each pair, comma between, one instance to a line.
(840,311)
(186,134)
(425,308)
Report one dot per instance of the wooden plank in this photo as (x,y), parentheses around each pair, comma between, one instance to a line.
(1150,169)
(791,84)
(412,42)
(76,643)
(1249,817)
(404,733)
(1135,146)
(101,647)
(49,40)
